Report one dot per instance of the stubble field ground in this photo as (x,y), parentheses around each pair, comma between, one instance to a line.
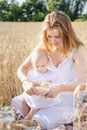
(16,42)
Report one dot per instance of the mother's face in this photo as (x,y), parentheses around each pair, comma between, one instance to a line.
(55,38)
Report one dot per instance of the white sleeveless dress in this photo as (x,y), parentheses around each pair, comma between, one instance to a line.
(62,111)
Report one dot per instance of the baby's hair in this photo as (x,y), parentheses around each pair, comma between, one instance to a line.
(39,54)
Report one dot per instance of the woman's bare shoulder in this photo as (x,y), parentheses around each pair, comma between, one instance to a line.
(80,52)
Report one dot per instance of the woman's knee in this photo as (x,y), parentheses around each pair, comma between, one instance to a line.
(17,103)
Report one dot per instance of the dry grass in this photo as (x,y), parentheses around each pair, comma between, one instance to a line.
(16,43)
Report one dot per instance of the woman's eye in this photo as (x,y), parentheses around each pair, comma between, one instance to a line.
(49,36)
(43,65)
(57,37)
(37,66)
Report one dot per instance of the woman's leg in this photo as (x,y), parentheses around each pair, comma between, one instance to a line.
(54,116)
(25,107)
(17,105)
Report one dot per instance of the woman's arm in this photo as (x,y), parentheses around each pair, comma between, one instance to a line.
(27,85)
(80,63)
(23,69)
(25,66)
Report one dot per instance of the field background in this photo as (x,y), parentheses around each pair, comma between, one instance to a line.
(16,42)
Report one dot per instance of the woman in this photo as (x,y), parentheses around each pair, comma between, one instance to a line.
(67,58)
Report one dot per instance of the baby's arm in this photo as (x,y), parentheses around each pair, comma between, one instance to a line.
(42,86)
(29,87)
(39,87)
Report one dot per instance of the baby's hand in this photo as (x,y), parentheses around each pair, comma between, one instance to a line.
(27,85)
(41,89)
(42,84)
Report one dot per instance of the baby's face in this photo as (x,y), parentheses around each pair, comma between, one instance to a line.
(41,65)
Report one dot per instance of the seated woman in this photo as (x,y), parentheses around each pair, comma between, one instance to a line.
(67,58)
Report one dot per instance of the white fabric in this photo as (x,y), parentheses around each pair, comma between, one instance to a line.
(36,102)
(62,111)
(49,76)
(64,73)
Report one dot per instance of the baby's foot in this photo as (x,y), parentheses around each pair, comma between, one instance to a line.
(31,113)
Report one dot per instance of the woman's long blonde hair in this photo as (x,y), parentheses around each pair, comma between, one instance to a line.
(59,20)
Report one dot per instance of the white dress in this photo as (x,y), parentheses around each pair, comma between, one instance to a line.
(63,111)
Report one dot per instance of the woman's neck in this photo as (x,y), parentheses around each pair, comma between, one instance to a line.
(57,57)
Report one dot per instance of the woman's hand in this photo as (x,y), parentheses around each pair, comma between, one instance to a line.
(52,92)
(32,91)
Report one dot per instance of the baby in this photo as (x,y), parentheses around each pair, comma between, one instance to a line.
(41,75)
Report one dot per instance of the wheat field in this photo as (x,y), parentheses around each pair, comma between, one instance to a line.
(16,42)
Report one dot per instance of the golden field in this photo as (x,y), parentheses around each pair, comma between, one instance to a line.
(16,42)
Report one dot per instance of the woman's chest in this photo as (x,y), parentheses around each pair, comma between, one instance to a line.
(61,64)
(63,67)
(57,59)
(64,72)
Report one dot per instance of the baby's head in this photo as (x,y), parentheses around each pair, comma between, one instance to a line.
(40,60)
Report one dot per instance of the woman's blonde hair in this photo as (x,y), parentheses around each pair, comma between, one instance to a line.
(59,20)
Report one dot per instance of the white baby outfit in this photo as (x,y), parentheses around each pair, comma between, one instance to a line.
(38,101)
(47,76)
